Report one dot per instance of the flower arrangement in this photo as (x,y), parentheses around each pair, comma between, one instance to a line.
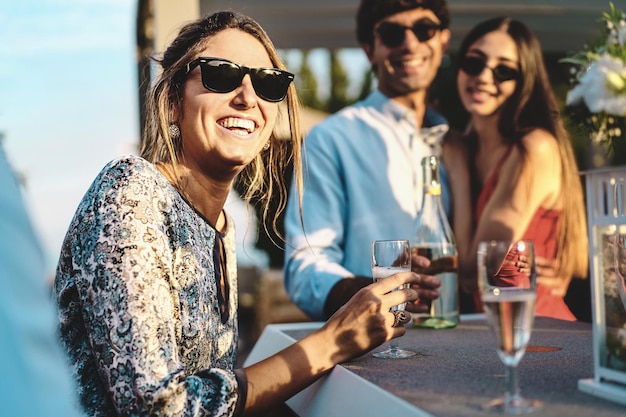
(598,98)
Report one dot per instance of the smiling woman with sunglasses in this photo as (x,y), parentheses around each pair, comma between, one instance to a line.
(514,165)
(147,280)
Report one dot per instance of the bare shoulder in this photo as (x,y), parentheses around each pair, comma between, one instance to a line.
(541,152)
(540,143)
(543,160)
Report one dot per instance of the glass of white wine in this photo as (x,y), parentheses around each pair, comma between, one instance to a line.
(507,280)
(388,258)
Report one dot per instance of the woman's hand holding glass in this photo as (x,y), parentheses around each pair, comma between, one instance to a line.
(366,320)
(390,257)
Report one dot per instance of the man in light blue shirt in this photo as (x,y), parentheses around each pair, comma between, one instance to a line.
(34,377)
(362,173)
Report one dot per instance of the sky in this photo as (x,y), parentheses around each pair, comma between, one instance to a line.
(69,104)
(68,100)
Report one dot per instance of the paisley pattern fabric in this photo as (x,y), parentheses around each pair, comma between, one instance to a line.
(137,298)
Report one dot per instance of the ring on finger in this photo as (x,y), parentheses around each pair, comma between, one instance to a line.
(400,318)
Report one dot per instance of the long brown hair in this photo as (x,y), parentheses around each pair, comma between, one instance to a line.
(264,177)
(533,105)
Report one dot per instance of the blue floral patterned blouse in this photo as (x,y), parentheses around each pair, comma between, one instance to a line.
(138,301)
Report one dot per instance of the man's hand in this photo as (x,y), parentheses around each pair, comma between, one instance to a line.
(427,284)
(421,265)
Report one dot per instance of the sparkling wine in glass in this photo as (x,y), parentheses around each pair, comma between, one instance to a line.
(507,281)
(388,258)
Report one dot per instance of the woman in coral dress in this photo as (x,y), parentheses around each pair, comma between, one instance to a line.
(514,165)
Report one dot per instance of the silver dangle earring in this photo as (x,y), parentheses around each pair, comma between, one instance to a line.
(174,131)
(266,146)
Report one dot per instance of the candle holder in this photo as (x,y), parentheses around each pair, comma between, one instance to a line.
(606,222)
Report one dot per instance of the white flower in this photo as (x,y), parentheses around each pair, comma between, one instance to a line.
(599,79)
(601,87)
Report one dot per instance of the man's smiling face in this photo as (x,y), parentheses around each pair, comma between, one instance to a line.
(412,65)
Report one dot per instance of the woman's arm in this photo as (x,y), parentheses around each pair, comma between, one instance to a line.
(525,183)
(359,326)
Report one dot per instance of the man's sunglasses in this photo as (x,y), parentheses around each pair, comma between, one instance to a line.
(392,34)
(473,66)
(223,76)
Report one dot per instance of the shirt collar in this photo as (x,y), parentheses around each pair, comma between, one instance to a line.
(435,125)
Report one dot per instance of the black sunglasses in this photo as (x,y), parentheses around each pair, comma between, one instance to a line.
(392,34)
(223,76)
(473,65)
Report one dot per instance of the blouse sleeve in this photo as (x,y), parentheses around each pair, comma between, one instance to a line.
(121,257)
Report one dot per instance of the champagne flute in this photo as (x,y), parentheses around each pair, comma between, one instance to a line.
(507,280)
(390,257)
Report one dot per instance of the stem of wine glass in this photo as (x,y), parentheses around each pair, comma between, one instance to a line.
(394,344)
(512,394)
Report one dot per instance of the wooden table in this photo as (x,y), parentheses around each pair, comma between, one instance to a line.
(456,372)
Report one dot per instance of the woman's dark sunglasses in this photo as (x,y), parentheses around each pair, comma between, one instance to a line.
(473,65)
(392,34)
(223,76)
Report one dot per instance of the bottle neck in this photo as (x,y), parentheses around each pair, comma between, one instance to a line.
(430,172)
(432,189)
(431,201)
(432,225)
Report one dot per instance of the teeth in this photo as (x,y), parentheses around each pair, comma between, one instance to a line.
(483,92)
(414,62)
(236,123)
